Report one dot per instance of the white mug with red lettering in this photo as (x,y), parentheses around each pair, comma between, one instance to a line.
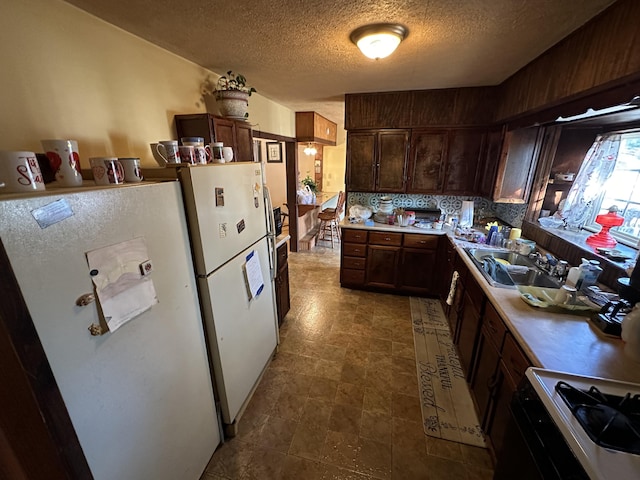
(19,172)
(65,161)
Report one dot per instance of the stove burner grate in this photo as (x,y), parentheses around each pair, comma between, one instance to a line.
(611,421)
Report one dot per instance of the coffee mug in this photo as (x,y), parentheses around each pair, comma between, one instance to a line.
(187,154)
(107,170)
(227,154)
(20,172)
(168,150)
(64,160)
(215,152)
(156,156)
(201,154)
(132,171)
(192,141)
(566,295)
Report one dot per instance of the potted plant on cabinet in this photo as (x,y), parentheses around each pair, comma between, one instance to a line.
(231,93)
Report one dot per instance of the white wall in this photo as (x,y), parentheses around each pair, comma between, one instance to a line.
(67,74)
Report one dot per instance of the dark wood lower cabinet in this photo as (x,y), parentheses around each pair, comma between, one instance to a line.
(394,262)
(382,266)
(415,274)
(499,414)
(283,297)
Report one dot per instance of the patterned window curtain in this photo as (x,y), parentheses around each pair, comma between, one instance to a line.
(587,187)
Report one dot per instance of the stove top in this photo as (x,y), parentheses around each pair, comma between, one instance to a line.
(574,401)
(611,421)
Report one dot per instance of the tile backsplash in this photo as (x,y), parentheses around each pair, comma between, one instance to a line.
(512,214)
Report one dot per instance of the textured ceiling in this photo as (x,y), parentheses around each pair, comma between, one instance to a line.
(298,52)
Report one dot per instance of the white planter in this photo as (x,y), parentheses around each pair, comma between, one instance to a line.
(232,103)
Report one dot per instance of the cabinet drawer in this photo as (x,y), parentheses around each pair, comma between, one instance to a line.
(385,238)
(354,250)
(494,326)
(354,236)
(355,263)
(282,253)
(416,240)
(352,277)
(514,360)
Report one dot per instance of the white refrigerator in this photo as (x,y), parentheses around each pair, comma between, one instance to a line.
(140,398)
(231,225)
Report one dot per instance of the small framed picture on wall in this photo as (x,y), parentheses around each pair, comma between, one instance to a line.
(274,152)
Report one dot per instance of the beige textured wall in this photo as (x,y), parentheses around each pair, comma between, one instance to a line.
(67,74)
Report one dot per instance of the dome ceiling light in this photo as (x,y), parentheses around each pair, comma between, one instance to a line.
(378,40)
(310,149)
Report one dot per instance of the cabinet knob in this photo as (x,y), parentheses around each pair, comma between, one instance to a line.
(387,239)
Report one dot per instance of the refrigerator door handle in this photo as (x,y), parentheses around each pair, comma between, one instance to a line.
(271,231)
(274,256)
(271,223)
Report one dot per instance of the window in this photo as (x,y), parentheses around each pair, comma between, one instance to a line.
(623,190)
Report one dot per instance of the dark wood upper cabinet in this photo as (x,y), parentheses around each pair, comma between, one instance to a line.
(224,131)
(361,162)
(517,165)
(427,161)
(465,147)
(392,161)
(376,160)
(233,133)
(244,142)
(486,177)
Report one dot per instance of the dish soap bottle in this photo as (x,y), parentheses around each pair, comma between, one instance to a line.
(576,274)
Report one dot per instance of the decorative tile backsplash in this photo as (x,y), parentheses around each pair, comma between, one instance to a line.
(512,214)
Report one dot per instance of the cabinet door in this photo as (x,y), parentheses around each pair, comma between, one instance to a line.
(463,156)
(382,266)
(486,374)
(500,412)
(517,166)
(391,161)
(361,149)
(426,161)
(416,270)
(468,332)
(244,142)
(225,132)
(283,298)
(489,164)
(197,125)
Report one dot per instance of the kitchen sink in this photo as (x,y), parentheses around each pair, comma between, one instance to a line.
(507,269)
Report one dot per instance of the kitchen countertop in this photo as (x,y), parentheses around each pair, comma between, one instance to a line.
(554,341)
(280,239)
(391,228)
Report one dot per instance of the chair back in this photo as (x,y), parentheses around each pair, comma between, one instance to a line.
(342,197)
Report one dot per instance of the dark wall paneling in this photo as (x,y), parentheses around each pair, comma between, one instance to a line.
(598,53)
(378,110)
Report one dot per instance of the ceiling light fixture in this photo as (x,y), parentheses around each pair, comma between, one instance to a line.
(378,40)
(310,149)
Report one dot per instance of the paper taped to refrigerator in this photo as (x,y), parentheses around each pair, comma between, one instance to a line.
(120,274)
(253,273)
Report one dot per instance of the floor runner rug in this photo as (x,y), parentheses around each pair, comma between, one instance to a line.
(445,400)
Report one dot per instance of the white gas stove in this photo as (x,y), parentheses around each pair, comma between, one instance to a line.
(599,462)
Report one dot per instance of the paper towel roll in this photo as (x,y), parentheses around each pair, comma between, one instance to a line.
(466,216)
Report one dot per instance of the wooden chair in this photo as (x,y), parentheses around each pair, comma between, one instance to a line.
(330,218)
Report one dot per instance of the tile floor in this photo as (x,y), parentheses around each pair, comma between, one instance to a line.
(340,399)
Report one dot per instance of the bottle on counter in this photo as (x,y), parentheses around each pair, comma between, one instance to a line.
(576,274)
